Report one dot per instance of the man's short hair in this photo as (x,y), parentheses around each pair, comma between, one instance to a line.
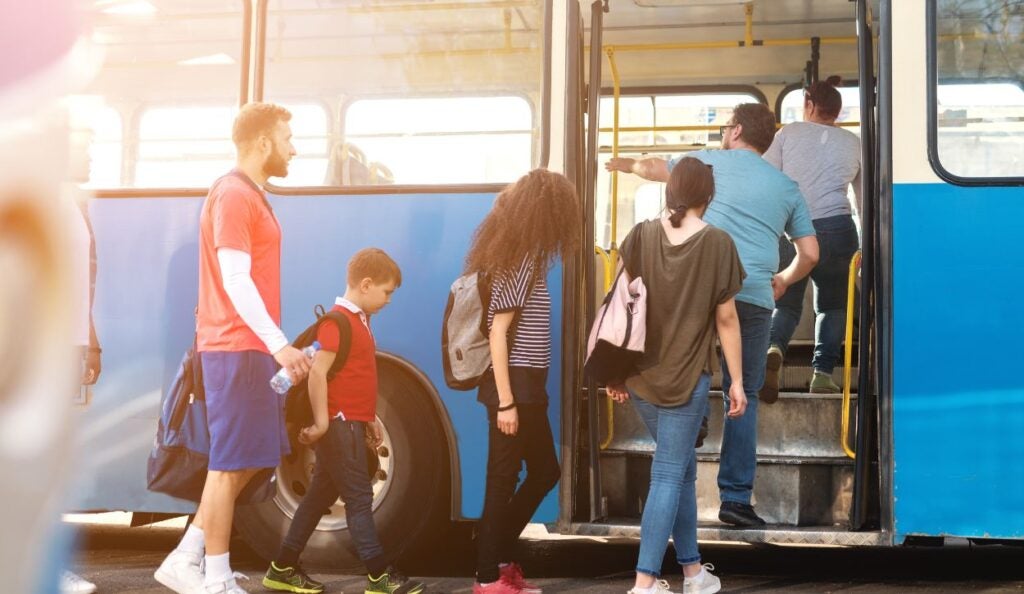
(374,264)
(758,124)
(255,120)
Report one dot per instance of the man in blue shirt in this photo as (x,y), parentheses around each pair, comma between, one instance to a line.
(755,204)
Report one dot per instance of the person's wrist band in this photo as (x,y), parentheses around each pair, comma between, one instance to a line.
(505,408)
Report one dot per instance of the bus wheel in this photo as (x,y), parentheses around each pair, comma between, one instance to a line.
(408,472)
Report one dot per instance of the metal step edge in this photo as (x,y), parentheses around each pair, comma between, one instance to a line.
(807,535)
(761,459)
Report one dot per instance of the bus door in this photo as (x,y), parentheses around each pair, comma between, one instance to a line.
(663,97)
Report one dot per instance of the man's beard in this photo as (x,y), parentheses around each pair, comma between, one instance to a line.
(276,165)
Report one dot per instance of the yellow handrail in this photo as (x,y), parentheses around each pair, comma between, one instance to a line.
(848,358)
(608,258)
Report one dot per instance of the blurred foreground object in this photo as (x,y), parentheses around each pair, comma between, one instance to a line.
(38,65)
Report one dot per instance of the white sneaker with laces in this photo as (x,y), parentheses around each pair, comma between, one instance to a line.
(229,586)
(660,587)
(180,572)
(72,583)
(704,582)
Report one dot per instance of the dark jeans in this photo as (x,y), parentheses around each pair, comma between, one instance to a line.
(739,436)
(507,509)
(837,243)
(341,471)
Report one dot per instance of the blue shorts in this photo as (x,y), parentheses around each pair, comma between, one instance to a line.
(245,416)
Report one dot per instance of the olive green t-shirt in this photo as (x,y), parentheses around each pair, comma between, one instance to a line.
(685,283)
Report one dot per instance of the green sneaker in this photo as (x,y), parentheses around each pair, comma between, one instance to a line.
(291,579)
(822,383)
(392,582)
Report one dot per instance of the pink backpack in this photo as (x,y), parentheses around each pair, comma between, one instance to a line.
(620,330)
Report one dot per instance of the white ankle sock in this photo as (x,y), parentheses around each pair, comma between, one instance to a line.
(218,569)
(639,590)
(699,578)
(194,541)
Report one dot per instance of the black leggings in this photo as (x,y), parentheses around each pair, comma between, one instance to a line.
(507,510)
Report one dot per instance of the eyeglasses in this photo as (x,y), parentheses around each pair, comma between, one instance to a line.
(722,129)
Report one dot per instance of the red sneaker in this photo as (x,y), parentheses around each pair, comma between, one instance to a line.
(502,586)
(513,572)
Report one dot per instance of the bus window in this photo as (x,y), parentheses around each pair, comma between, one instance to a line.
(184,147)
(98,131)
(311,137)
(444,140)
(162,61)
(431,93)
(639,199)
(979,102)
(793,107)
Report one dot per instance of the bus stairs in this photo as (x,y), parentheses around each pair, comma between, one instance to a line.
(804,481)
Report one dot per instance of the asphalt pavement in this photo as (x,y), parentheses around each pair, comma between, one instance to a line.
(122,559)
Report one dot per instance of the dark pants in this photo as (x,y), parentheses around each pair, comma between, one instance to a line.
(341,471)
(507,509)
(739,436)
(837,243)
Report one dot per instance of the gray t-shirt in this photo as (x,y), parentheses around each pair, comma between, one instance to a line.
(823,160)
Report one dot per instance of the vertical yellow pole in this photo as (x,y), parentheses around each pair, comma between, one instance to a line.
(851,288)
(748,37)
(613,253)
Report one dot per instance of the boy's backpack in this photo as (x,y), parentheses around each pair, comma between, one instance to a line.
(297,408)
(465,339)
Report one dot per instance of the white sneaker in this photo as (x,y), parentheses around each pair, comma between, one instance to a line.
(180,572)
(72,583)
(229,586)
(660,587)
(704,582)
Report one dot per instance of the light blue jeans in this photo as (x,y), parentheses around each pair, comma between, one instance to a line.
(671,506)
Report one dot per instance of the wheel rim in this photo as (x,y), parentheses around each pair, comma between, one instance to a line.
(296,471)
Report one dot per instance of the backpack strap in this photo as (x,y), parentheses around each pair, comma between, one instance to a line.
(344,340)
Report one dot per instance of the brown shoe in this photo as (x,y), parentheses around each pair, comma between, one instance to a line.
(773,367)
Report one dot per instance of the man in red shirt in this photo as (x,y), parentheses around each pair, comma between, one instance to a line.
(240,342)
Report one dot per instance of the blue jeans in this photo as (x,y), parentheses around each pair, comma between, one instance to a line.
(341,471)
(739,436)
(837,243)
(672,498)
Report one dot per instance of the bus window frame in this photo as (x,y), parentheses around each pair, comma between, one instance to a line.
(482,187)
(786,90)
(607,92)
(245,65)
(933,110)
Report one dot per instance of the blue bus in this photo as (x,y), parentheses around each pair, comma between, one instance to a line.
(410,116)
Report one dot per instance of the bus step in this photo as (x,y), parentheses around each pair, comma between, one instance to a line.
(716,531)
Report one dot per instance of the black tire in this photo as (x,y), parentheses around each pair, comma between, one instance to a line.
(413,503)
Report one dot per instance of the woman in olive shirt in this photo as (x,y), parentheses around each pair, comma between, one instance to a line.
(692,272)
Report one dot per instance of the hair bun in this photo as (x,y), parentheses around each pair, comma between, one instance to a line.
(834,80)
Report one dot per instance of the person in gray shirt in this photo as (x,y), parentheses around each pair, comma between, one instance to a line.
(824,160)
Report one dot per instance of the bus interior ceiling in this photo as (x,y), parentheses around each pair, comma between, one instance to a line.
(671,49)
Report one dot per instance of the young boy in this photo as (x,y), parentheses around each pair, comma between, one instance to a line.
(344,416)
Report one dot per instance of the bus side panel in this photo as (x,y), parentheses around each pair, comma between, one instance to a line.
(146,293)
(958,395)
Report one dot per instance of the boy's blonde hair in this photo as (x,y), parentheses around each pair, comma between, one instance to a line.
(374,264)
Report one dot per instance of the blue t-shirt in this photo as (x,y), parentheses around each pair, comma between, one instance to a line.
(754,203)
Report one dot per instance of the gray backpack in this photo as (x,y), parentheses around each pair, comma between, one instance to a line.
(465,339)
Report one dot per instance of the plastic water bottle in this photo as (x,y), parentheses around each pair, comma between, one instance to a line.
(282,382)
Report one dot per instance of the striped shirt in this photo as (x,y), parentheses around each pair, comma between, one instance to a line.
(531,346)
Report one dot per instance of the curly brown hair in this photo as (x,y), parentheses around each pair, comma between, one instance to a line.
(537,218)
